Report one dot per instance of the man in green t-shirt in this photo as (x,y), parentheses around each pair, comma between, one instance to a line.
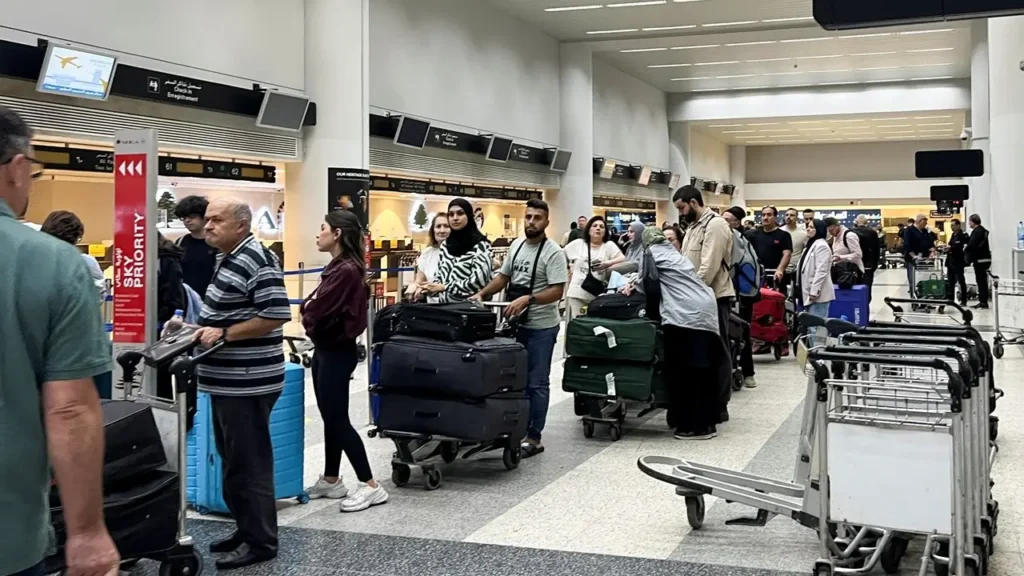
(535,273)
(51,343)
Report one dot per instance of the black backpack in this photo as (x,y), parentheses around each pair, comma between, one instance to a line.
(846,275)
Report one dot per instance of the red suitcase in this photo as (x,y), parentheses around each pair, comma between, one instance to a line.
(768,326)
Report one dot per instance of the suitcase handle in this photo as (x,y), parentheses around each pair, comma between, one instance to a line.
(513,416)
(508,371)
(426,415)
(424,370)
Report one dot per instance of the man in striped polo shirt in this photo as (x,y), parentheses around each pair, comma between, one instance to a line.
(246,305)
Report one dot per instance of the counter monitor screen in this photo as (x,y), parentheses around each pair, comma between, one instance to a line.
(282,111)
(499,149)
(607,169)
(49,158)
(645,176)
(560,163)
(673,182)
(189,168)
(73,72)
(412,132)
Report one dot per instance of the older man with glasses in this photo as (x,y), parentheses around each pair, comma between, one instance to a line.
(917,243)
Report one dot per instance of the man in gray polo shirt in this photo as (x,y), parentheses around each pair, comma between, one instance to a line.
(535,276)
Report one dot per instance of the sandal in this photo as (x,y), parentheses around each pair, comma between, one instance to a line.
(530,449)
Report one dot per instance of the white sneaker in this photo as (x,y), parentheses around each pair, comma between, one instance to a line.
(324,489)
(749,382)
(364,497)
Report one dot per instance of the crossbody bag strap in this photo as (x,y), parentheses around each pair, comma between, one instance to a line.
(536,260)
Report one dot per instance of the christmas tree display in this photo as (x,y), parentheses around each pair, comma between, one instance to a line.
(166,202)
(420,218)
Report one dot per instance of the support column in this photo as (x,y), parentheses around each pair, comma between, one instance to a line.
(1006,87)
(576,123)
(738,174)
(337,66)
(679,157)
(980,202)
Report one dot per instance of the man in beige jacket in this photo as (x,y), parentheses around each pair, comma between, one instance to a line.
(708,245)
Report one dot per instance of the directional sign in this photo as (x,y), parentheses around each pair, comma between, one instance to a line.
(130,245)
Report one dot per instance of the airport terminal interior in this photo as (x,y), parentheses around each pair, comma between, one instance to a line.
(391,109)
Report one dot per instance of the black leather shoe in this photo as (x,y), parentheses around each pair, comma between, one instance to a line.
(226,545)
(723,416)
(244,556)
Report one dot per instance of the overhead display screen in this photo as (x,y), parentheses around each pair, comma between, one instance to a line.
(75,72)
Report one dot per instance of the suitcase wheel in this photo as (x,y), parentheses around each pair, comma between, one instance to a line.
(512,456)
(302,498)
(189,566)
(615,431)
(400,474)
(777,351)
(588,429)
(431,479)
(449,451)
(695,511)
(202,510)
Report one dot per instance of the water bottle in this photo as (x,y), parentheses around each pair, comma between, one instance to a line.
(175,323)
(1020,235)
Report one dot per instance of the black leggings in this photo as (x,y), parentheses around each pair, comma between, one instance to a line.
(332,372)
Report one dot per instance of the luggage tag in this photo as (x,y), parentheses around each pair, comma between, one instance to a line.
(608,334)
(609,379)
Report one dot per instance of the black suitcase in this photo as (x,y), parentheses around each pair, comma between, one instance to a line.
(133,444)
(455,369)
(483,420)
(142,519)
(454,322)
(618,306)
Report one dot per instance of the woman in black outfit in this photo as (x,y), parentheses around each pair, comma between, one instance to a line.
(334,315)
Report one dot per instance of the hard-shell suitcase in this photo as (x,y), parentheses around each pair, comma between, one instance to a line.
(133,444)
(484,420)
(631,340)
(617,306)
(453,322)
(142,519)
(616,379)
(769,318)
(427,367)
(287,434)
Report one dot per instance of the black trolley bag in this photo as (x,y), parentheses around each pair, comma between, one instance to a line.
(452,322)
(457,369)
(133,444)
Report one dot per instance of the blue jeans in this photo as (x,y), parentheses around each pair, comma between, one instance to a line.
(819,309)
(540,346)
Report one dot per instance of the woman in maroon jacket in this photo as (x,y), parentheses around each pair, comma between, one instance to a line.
(334,315)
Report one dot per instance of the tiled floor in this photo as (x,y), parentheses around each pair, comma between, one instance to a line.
(584,508)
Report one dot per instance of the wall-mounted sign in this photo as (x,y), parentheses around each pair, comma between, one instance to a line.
(419,218)
(348,189)
(85,160)
(423,187)
(626,203)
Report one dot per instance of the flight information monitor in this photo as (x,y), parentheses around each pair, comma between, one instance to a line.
(75,72)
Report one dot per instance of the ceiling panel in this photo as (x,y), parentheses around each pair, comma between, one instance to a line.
(837,129)
(680,46)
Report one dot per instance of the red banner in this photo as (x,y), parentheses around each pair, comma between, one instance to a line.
(130,248)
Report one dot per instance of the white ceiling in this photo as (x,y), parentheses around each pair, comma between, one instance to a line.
(682,46)
(837,129)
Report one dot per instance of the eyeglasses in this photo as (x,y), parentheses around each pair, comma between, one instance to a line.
(37,166)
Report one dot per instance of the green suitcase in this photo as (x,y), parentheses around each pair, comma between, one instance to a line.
(624,380)
(634,340)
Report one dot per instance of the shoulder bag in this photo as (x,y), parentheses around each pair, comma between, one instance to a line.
(591,284)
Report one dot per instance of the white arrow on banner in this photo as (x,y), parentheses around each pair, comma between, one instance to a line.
(138,167)
(121,168)
(131,169)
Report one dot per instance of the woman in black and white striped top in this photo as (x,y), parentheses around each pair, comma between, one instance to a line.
(464,267)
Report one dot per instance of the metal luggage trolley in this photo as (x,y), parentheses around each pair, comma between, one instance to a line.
(1007,290)
(883,441)
(928,284)
(421,451)
(919,311)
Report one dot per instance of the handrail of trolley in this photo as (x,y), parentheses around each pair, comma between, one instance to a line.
(818,357)
(969,332)
(952,340)
(966,368)
(892,303)
(834,326)
(838,326)
(808,320)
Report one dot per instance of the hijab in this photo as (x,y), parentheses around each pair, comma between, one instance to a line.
(460,242)
(653,235)
(635,253)
(820,234)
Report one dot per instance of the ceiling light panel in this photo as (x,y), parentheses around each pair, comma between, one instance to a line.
(725,125)
(735,76)
(692,78)
(638,50)
(632,4)
(723,63)
(619,31)
(925,50)
(574,8)
(758,43)
(859,54)
(797,19)
(758,60)
(795,40)
(682,65)
(822,57)
(738,131)
(662,28)
(721,24)
(698,47)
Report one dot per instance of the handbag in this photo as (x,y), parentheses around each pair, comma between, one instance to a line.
(590,283)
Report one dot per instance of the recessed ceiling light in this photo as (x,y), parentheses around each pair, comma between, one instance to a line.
(723,63)
(914,32)
(928,65)
(735,76)
(635,50)
(933,129)
(691,78)
(781,73)
(827,139)
(887,81)
(830,71)
(696,47)
(660,28)
(775,130)
(806,122)
(873,54)
(900,132)
(706,90)
(797,19)
(936,124)
(877,35)
(573,8)
(758,43)
(896,126)
(811,129)
(935,78)
(877,68)
(796,85)
(850,121)
(845,83)
(719,24)
(725,125)
(752,88)
(932,117)
(819,57)
(750,137)
(684,65)
(793,40)
(889,119)
(858,138)
(764,124)
(768,60)
(681,1)
(643,3)
(899,137)
(738,131)
(923,50)
(619,31)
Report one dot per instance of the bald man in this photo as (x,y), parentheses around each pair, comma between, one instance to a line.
(246,306)
(871,250)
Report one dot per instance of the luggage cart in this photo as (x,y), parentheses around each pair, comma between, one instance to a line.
(422,451)
(882,442)
(919,309)
(928,284)
(1007,291)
